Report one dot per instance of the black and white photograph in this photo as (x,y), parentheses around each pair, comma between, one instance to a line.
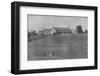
(53,37)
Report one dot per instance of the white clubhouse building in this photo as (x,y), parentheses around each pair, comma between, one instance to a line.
(58,29)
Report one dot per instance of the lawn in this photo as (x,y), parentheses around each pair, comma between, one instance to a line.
(62,46)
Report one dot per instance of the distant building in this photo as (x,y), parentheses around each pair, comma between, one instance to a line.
(63,30)
(46,32)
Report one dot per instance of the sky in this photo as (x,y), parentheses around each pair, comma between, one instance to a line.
(38,22)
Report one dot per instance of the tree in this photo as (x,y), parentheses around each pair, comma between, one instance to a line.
(31,34)
(34,33)
(86,31)
(79,29)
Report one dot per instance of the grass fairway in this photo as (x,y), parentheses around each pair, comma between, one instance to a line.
(62,46)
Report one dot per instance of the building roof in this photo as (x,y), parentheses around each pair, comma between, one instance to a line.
(62,29)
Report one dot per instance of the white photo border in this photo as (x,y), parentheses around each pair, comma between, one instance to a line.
(26,65)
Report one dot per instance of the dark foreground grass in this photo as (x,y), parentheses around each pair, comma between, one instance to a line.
(63,46)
